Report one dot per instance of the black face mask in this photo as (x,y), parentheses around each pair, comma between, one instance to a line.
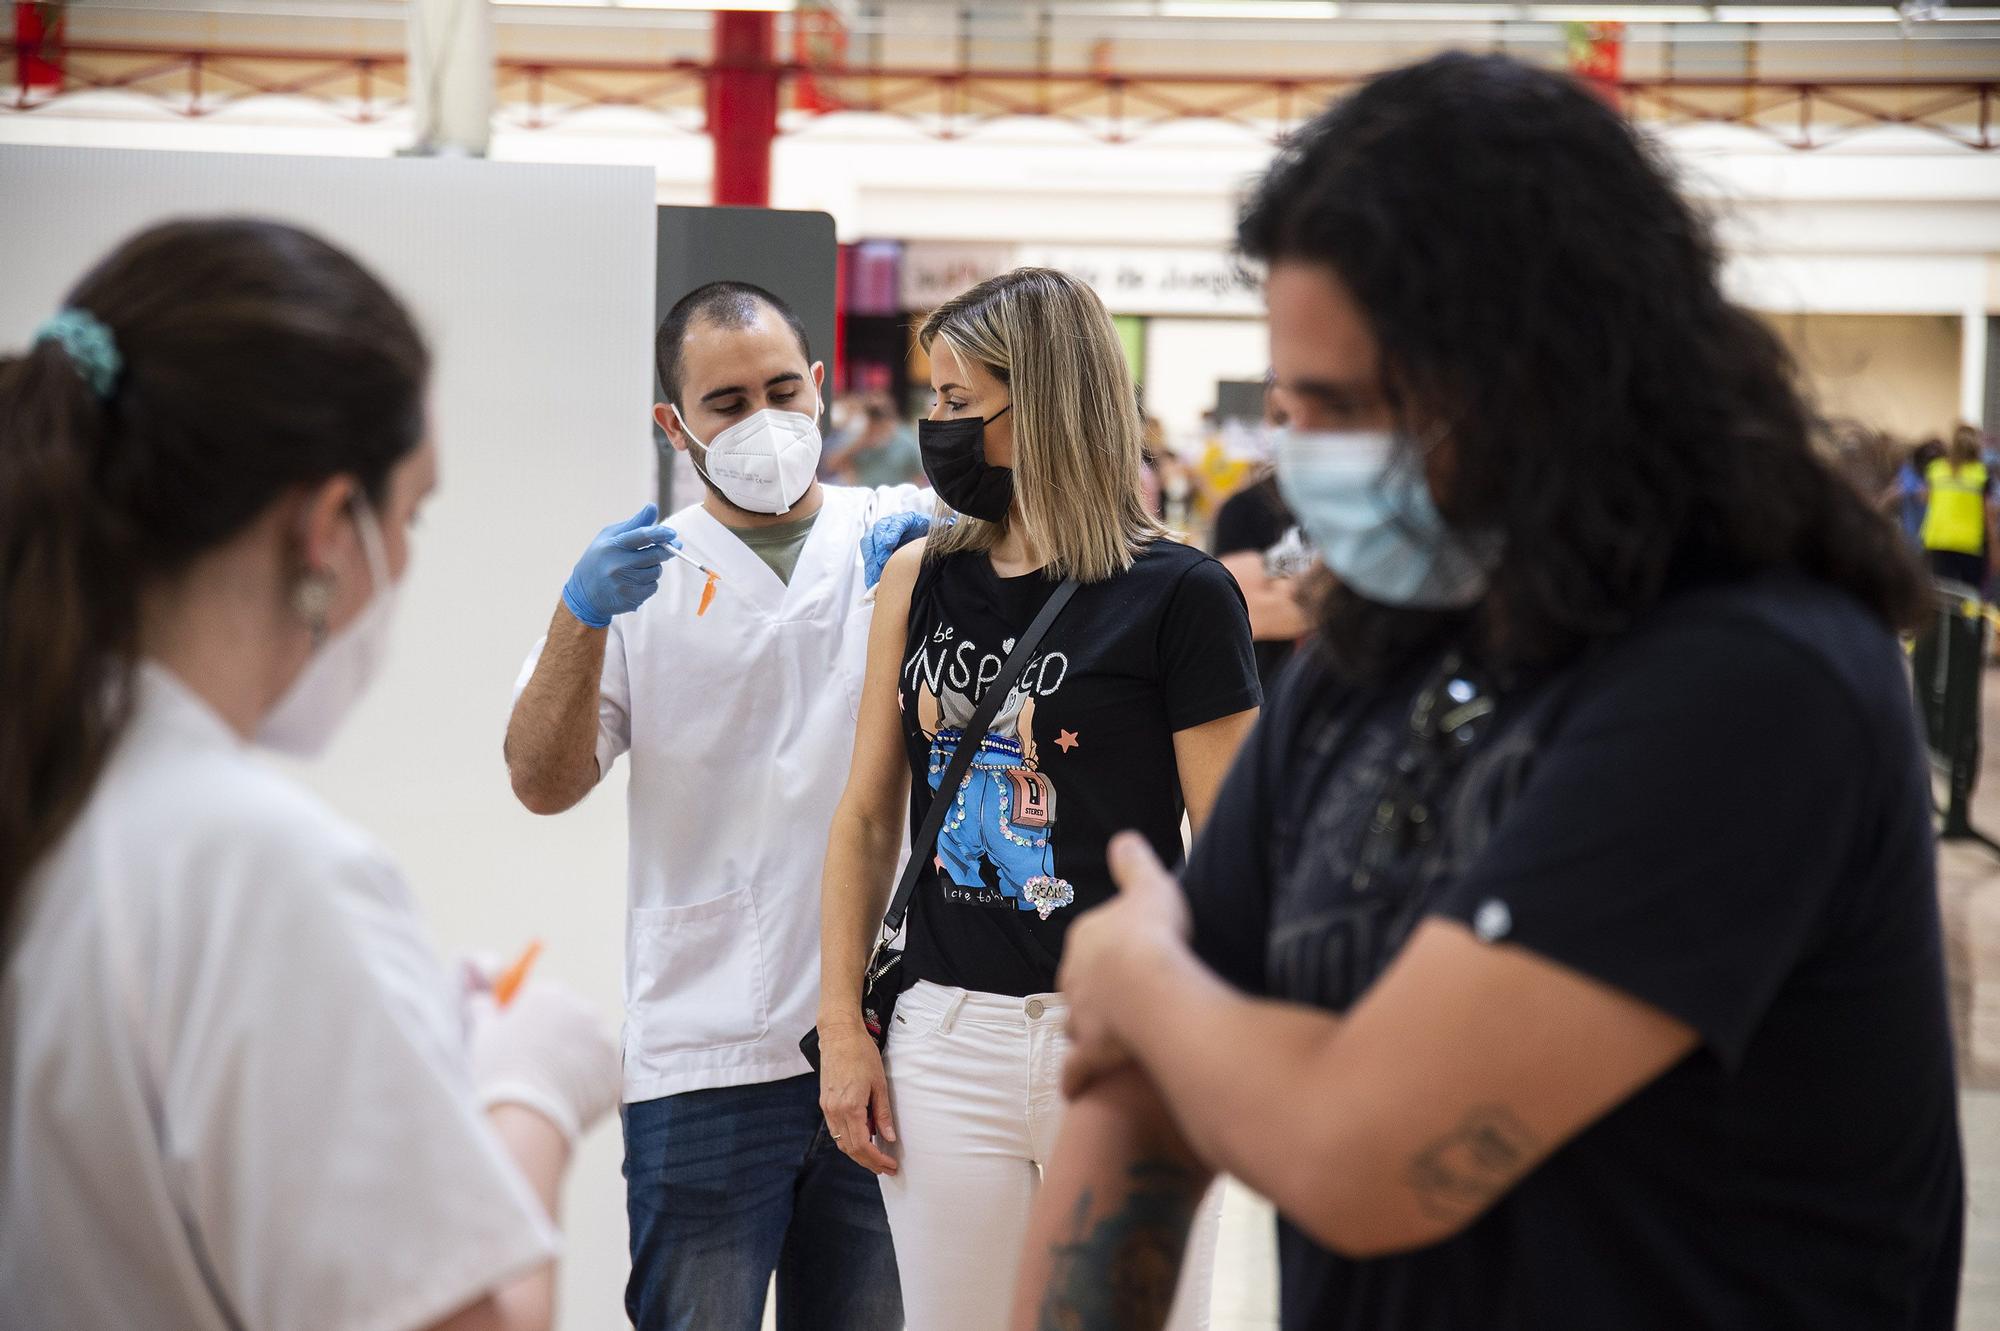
(955,463)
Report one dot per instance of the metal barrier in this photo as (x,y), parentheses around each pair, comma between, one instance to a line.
(1948,666)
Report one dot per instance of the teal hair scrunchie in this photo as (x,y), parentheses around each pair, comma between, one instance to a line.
(90,346)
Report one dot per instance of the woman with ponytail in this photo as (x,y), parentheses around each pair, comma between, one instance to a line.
(237,1089)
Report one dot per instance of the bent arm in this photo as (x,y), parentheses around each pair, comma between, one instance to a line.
(552,736)
(1275,614)
(1203,754)
(868,823)
(1395,1126)
(1109,1228)
(529,1303)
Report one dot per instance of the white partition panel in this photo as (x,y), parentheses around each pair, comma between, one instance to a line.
(535,284)
(1187,358)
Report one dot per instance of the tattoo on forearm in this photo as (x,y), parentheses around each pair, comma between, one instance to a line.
(1460,1174)
(1119,1274)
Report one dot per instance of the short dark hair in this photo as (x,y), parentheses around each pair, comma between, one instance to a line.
(724,304)
(1544,298)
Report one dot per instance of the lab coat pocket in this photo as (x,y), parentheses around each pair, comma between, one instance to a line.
(698,974)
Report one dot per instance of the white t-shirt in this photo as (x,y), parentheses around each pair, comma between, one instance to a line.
(233,1082)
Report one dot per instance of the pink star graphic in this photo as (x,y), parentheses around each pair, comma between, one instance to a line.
(1067,740)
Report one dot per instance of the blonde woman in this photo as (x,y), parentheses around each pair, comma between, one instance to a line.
(1126,717)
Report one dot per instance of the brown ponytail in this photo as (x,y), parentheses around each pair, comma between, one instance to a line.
(63,641)
(254,358)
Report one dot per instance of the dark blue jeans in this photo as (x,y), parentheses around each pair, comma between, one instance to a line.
(722,1187)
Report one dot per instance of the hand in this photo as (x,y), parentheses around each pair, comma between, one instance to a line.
(549,1051)
(1145,922)
(854,1096)
(885,538)
(620,569)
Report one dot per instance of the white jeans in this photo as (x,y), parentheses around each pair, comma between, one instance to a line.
(975,1084)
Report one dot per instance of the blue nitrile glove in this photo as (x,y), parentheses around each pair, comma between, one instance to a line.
(620,569)
(885,538)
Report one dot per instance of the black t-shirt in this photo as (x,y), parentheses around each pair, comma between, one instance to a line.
(1725,814)
(1255,518)
(1082,749)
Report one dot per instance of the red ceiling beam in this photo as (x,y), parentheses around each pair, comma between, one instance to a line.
(741,90)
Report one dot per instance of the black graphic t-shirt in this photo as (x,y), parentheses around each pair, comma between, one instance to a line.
(1726,814)
(1083,747)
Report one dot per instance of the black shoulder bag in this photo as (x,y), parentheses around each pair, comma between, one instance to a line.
(878,992)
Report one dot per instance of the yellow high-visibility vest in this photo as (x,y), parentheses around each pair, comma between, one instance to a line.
(1956,517)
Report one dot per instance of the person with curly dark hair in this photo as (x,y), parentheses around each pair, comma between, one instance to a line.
(1563,949)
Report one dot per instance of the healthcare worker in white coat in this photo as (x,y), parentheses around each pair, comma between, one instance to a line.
(238,1089)
(739,723)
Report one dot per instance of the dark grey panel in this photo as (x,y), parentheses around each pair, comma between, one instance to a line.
(1239,400)
(792,255)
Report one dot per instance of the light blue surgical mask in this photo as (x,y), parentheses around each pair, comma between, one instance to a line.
(1375,524)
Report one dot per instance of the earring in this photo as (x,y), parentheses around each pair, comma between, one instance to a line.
(312,600)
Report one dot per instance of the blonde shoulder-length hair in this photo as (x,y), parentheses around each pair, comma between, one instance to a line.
(1077,431)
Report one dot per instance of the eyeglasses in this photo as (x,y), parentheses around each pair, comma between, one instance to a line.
(1450,714)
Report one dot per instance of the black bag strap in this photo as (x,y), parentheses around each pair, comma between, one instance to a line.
(925,841)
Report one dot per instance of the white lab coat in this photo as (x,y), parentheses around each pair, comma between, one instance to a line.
(740,726)
(233,1080)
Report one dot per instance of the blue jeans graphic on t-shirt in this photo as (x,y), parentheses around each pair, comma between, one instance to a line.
(980,828)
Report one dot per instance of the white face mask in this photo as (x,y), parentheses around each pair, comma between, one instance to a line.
(340,671)
(764,463)
(1374,522)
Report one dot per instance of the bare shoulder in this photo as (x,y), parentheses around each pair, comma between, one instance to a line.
(899,575)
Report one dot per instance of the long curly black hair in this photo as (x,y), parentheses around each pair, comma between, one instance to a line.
(1546,303)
